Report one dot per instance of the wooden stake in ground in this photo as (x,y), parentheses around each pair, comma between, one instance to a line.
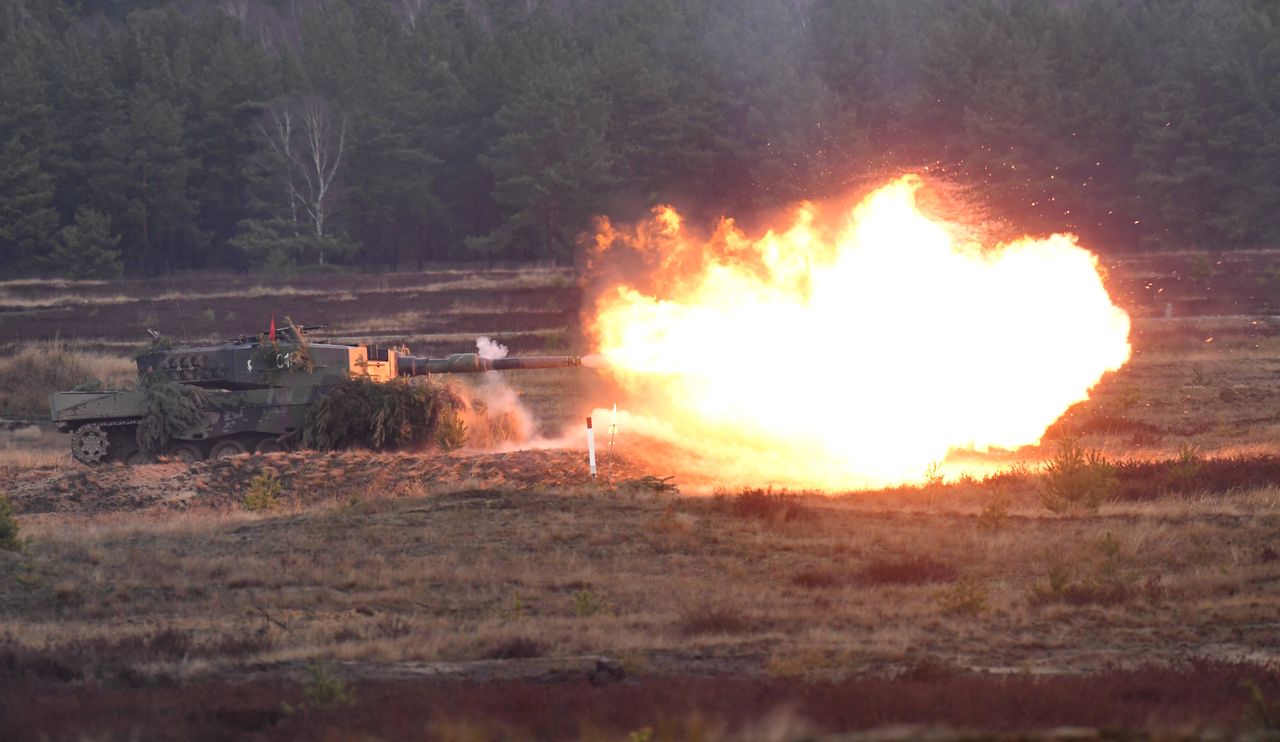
(591,449)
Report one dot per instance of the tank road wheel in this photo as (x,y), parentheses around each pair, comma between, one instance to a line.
(138,458)
(186,454)
(89,444)
(227,448)
(268,445)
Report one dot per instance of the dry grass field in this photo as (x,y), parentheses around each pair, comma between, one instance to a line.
(490,595)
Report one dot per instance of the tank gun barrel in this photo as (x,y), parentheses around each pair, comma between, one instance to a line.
(472,363)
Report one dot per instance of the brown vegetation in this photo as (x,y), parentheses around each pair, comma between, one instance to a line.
(1191,700)
(36,369)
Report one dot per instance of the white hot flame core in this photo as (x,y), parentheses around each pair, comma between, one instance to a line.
(860,353)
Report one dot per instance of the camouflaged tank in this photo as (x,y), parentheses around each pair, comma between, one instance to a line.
(255,393)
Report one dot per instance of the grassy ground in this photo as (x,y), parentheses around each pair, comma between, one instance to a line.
(423,582)
(785,586)
(501,595)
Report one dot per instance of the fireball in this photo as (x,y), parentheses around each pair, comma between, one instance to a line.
(856,350)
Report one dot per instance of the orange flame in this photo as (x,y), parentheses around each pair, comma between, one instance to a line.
(859,353)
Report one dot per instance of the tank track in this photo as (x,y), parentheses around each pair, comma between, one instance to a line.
(94,443)
(101,442)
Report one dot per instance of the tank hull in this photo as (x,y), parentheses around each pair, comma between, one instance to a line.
(243,421)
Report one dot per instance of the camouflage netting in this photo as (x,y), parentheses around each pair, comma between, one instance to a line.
(408,413)
(172,409)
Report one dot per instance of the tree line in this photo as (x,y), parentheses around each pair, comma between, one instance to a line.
(144,136)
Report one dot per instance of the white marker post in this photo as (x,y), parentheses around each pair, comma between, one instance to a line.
(613,431)
(591,449)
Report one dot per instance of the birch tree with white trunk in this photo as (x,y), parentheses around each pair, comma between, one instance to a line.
(308,140)
(411,11)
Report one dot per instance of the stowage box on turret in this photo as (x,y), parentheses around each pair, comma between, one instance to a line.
(255,393)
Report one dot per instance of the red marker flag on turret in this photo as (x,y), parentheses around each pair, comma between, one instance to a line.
(273,327)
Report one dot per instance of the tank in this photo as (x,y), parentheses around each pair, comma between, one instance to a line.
(256,392)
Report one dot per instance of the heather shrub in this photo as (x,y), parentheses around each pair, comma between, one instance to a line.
(713,619)
(918,570)
(818,579)
(520,647)
(803,663)
(765,504)
(967,597)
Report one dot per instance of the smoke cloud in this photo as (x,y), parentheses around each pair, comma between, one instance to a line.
(495,418)
(490,349)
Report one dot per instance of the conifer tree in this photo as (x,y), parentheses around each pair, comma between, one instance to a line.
(86,249)
(550,165)
(27,220)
